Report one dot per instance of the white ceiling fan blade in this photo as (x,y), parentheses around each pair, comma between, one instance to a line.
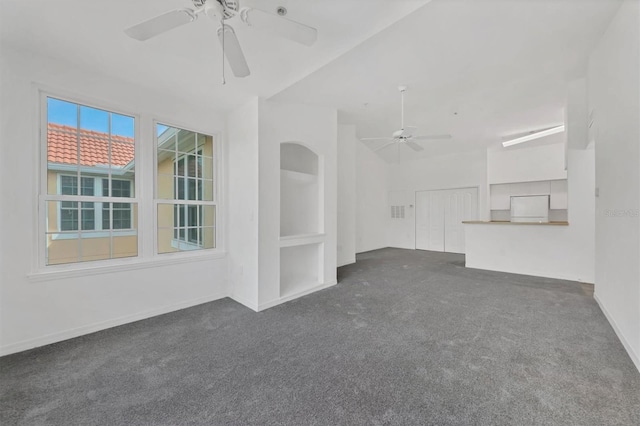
(279,26)
(414,146)
(160,24)
(431,137)
(376,139)
(380,148)
(233,51)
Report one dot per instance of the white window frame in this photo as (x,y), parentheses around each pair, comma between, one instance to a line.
(144,192)
(188,249)
(44,197)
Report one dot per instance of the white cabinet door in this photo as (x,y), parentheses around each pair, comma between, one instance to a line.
(500,197)
(559,199)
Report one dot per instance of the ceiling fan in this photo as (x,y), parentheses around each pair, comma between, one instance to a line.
(220,11)
(405,135)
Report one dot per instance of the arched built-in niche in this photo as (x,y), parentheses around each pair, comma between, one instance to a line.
(301,219)
(299,190)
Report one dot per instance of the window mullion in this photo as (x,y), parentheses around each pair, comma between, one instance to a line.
(110,186)
(97,218)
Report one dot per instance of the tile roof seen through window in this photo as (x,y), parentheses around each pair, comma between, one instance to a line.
(62,147)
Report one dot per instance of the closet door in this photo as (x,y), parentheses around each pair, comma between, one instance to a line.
(459,205)
(430,220)
(422,220)
(436,220)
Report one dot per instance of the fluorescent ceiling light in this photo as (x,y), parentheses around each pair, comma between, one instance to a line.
(532,136)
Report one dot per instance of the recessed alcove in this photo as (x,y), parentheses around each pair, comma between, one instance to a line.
(301,230)
(300,268)
(299,190)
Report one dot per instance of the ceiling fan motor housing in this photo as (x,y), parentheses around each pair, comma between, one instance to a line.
(228,6)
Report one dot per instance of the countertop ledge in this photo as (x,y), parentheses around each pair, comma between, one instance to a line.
(504,222)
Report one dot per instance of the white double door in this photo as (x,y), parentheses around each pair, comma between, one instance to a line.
(439,216)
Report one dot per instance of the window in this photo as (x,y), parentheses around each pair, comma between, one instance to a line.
(88,188)
(186,207)
(89,184)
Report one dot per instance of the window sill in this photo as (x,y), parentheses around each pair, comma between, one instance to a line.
(184,245)
(121,265)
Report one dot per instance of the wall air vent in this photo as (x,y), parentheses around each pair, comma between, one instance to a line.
(397,212)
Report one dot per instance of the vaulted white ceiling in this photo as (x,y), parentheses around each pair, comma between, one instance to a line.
(187,61)
(477,69)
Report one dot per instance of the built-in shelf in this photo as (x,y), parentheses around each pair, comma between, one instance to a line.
(299,191)
(298,176)
(301,231)
(300,240)
(300,268)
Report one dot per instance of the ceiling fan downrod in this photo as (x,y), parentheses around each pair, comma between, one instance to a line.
(402,89)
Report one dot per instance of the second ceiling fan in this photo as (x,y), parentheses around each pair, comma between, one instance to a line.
(220,11)
(406,135)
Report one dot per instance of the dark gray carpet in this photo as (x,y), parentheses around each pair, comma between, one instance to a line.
(406,338)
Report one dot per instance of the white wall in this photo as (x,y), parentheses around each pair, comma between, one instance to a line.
(315,128)
(255,133)
(564,252)
(463,170)
(372,214)
(614,92)
(347,141)
(525,163)
(577,114)
(52,308)
(242,199)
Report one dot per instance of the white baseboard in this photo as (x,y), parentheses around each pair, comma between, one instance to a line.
(532,273)
(347,262)
(251,305)
(634,357)
(296,295)
(92,328)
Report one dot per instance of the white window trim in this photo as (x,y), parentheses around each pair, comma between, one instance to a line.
(145,130)
(40,239)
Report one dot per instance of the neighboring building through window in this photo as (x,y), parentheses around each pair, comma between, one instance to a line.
(122,212)
(185,190)
(68,209)
(91,211)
